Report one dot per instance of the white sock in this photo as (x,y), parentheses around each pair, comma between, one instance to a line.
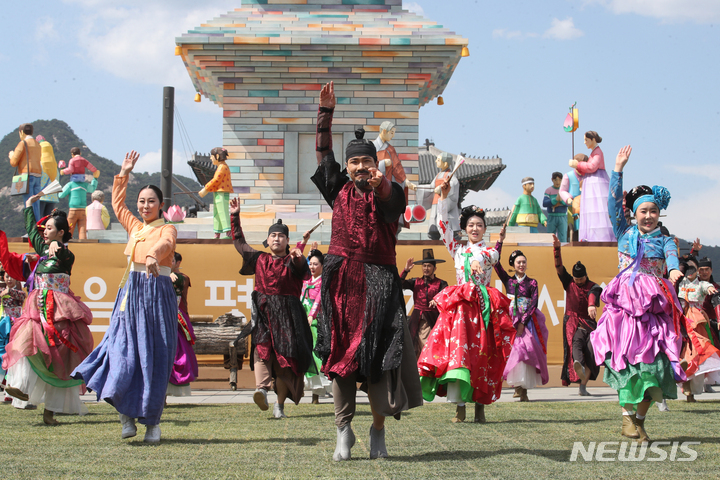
(639,417)
(461,404)
(625,412)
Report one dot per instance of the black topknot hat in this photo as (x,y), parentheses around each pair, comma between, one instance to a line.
(360,147)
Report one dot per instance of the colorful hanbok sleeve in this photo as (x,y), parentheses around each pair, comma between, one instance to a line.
(11,261)
(671,254)
(704,287)
(36,239)
(313,310)
(18,296)
(502,275)
(526,316)
(615,205)
(123,214)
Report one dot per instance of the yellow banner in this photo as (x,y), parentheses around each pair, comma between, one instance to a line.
(218,288)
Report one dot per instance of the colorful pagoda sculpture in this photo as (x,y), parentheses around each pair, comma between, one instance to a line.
(264,64)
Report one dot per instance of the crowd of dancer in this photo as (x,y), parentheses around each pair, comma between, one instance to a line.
(329,322)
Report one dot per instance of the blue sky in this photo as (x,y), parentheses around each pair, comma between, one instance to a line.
(644,72)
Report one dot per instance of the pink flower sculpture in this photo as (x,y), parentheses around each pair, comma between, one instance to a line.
(174,214)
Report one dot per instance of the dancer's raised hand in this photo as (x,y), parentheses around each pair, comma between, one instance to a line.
(129,163)
(327,96)
(697,246)
(53,248)
(32,200)
(622,158)
(409,264)
(234,206)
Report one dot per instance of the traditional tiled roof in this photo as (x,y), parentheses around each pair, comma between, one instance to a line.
(496,217)
(474,175)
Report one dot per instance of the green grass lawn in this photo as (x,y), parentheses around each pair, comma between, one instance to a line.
(530,440)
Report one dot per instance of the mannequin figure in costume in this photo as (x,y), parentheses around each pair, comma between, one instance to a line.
(527,211)
(78,191)
(131,367)
(77,165)
(570,192)
(389,163)
(429,196)
(557,222)
(638,337)
(467,350)
(595,223)
(49,174)
(221,186)
(78,188)
(98,217)
(26,158)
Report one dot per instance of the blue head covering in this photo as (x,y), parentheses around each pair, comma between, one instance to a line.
(658,195)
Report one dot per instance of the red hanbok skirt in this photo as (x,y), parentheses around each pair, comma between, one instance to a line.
(470,343)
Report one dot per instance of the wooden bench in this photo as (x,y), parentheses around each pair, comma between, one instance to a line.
(219,337)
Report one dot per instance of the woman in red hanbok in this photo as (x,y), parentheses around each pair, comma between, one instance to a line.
(466,352)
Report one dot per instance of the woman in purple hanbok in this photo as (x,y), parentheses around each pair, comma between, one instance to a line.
(185,367)
(638,336)
(527,363)
(595,223)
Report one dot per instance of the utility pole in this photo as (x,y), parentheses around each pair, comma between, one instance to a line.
(167,144)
